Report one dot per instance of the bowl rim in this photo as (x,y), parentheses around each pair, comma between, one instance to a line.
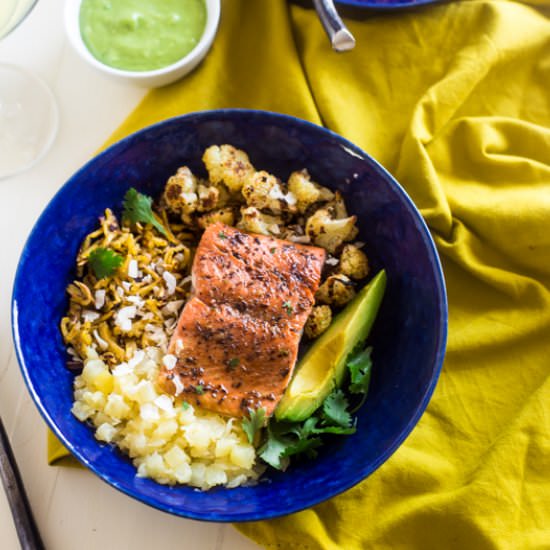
(373,5)
(72,27)
(332,492)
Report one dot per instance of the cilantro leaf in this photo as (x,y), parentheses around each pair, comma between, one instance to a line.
(185,405)
(335,410)
(337,430)
(254,423)
(273,450)
(199,389)
(104,262)
(233,362)
(288,306)
(306,446)
(360,366)
(137,208)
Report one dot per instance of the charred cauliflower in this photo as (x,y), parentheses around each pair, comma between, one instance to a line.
(264,191)
(208,197)
(337,290)
(257,222)
(318,321)
(354,262)
(223,215)
(306,191)
(227,165)
(180,193)
(328,231)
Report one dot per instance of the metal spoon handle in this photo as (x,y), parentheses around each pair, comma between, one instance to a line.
(341,39)
(28,534)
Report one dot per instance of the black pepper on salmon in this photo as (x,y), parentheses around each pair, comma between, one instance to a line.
(237,338)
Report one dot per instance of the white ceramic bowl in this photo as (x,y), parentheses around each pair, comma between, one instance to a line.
(149,79)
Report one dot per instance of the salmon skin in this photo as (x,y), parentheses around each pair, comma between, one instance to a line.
(237,338)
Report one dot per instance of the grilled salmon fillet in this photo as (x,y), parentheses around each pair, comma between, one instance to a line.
(237,338)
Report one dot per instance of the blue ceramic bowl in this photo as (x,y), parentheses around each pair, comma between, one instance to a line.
(386,4)
(408,338)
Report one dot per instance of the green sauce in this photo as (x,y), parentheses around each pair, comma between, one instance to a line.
(141,35)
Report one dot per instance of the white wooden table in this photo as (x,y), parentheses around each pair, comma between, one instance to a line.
(74,509)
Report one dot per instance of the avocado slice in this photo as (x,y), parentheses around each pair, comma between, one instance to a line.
(324,364)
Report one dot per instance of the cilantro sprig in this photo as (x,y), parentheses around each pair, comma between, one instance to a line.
(104,262)
(286,439)
(137,208)
(254,422)
(360,367)
(283,440)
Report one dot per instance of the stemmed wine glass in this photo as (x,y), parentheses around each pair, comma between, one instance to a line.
(28,111)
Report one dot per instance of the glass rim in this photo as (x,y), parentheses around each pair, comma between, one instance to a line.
(9,29)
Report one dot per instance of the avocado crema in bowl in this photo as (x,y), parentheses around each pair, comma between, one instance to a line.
(149,42)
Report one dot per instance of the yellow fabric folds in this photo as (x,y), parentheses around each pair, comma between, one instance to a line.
(454,99)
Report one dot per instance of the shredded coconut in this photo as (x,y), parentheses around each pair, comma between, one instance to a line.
(89,316)
(178,384)
(171,308)
(169,361)
(170,282)
(136,300)
(123,317)
(99,296)
(103,344)
(133,270)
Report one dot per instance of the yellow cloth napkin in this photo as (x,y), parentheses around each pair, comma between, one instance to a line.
(454,100)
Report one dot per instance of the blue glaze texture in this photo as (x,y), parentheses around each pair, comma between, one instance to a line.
(386,4)
(408,338)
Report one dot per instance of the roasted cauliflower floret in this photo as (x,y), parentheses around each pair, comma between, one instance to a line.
(208,197)
(318,321)
(180,193)
(306,191)
(337,290)
(294,233)
(329,232)
(227,165)
(337,206)
(354,262)
(224,215)
(264,191)
(257,222)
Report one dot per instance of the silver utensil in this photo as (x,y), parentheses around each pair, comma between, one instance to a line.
(341,39)
(28,534)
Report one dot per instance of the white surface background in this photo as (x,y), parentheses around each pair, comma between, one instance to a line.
(73,508)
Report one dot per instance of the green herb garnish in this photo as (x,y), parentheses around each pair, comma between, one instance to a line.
(185,405)
(360,366)
(137,208)
(104,262)
(233,363)
(252,424)
(286,439)
(335,410)
(222,235)
(288,306)
(199,389)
